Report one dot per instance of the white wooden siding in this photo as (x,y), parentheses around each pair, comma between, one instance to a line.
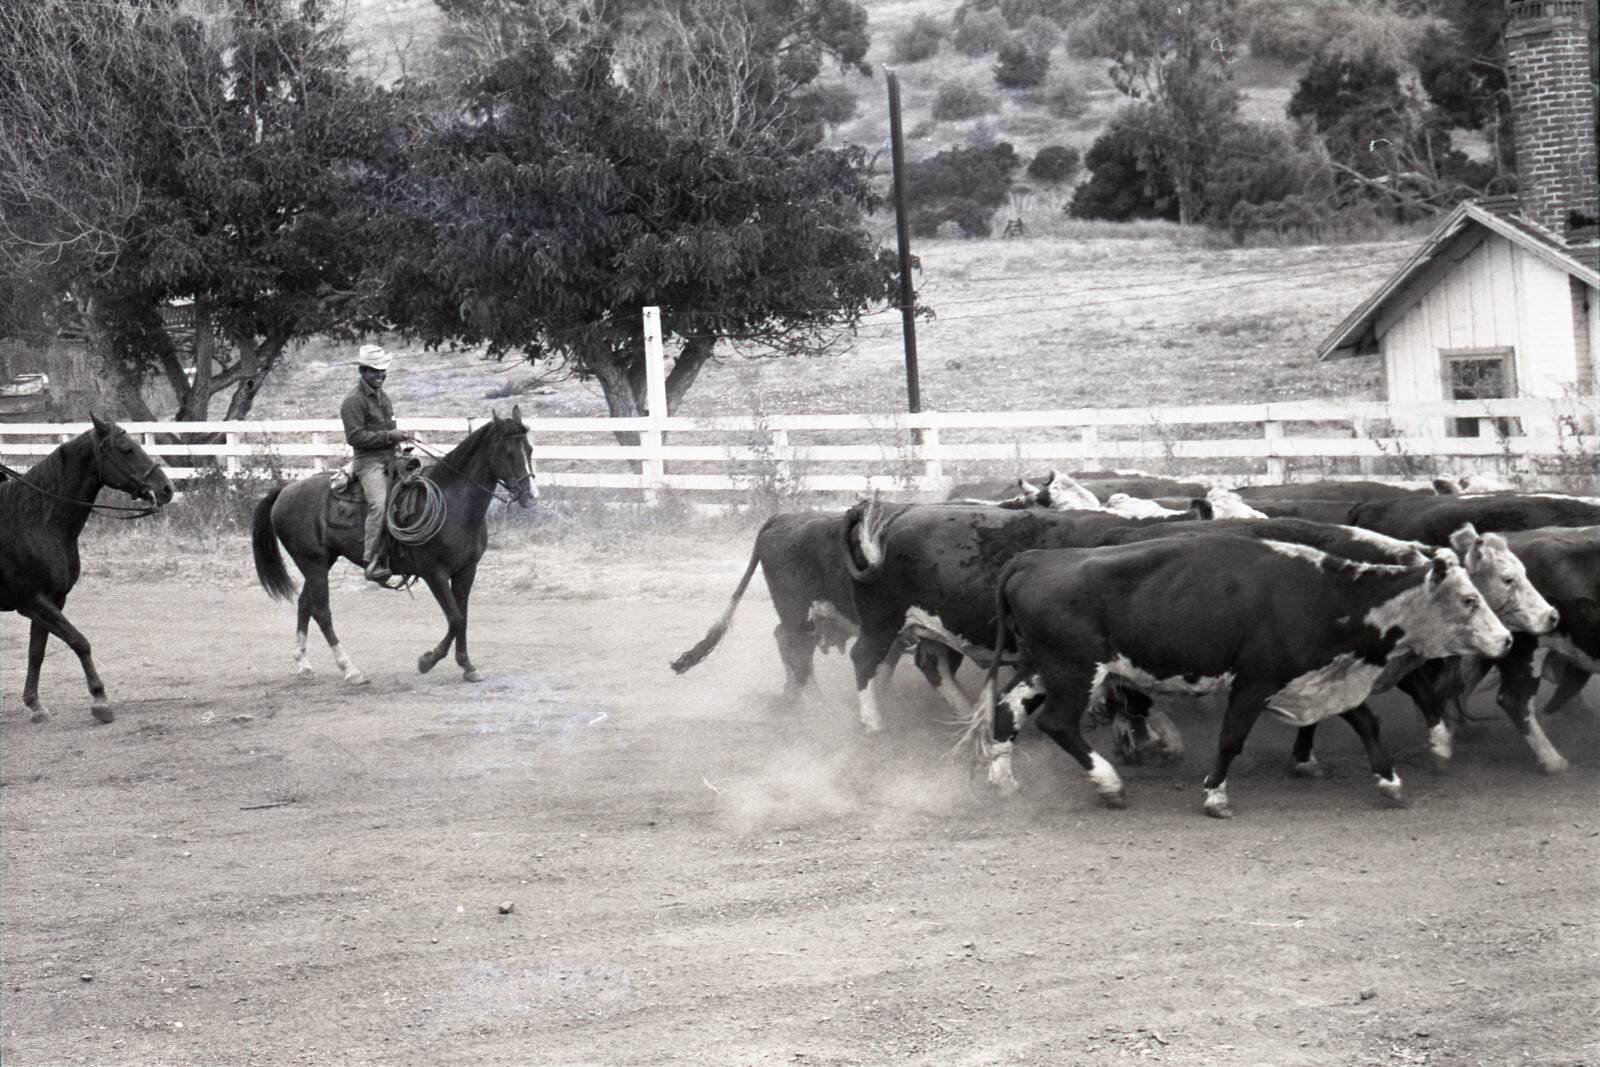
(1498,296)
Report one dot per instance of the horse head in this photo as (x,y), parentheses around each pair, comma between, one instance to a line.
(124,465)
(512,462)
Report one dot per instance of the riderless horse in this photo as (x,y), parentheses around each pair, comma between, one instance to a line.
(463,483)
(42,513)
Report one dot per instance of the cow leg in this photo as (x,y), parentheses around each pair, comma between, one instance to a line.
(1245,703)
(1433,686)
(938,665)
(1570,678)
(314,604)
(1061,719)
(796,647)
(1137,734)
(1303,763)
(461,589)
(1519,685)
(1365,724)
(873,657)
(47,619)
(1015,707)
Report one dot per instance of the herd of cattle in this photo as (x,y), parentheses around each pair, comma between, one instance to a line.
(1096,592)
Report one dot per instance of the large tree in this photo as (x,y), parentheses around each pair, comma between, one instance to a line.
(1172,57)
(216,155)
(647,153)
(557,204)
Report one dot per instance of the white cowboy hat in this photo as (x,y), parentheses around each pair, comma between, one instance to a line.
(373,356)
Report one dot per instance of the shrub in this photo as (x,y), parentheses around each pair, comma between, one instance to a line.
(957,100)
(1126,181)
(1054,164)
(961,185)
(921,40)
(1065,100)
(830,103)
(1020,67)
(1040,34)
(978,33)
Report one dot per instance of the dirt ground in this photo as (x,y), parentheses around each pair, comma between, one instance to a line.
(588,860)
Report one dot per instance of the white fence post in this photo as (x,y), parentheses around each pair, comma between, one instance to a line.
(655,381)
(234,463)
(783,470)
(932,459)
(1277,469)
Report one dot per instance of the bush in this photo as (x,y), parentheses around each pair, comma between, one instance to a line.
(1040,33)
(956,101)
(1020,67)
(1065,100)
(1054,165)
(960,185)
(831,103)
(921,40)
(1126,181)
(978,33)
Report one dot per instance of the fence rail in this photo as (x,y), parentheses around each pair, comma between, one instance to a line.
(1251,442)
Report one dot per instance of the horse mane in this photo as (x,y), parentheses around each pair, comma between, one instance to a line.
(49,473)
(478,438)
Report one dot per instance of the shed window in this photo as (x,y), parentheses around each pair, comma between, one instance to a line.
(1479,374)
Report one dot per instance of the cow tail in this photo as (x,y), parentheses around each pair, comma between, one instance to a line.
(980,731)
(270,571)
(703,649)
(863,540)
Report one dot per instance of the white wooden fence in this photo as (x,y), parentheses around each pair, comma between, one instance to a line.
(854,453)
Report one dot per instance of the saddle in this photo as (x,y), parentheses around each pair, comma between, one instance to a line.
(347,503)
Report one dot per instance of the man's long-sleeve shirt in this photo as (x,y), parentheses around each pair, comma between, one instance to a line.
(369,422)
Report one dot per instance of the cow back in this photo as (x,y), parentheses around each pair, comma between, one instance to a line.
(1433,519)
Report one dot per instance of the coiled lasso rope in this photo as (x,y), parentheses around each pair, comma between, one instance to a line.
(429,520)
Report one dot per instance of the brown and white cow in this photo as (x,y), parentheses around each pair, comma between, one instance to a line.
(1284,627)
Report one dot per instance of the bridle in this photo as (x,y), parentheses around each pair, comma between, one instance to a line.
(491,489)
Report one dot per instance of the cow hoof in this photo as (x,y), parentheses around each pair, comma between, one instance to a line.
(1390,793)
(1219,811)
(102,713)
(39,715)
(1117,800)
(355,678)
(1559,765)
(1309,769)
(425,662)
(472,674)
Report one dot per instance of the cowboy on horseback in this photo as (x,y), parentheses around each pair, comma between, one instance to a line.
(370,430)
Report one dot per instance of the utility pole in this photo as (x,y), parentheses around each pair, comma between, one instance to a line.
(902,228)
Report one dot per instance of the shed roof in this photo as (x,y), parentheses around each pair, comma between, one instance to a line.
(1460,232)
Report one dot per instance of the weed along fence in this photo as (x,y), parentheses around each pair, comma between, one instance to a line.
(1550,444)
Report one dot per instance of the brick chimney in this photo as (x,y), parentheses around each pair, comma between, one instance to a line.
(1547,51)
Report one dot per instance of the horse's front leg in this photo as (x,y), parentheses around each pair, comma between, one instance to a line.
(461,587)
(439,584)
(47,619)
(38,637)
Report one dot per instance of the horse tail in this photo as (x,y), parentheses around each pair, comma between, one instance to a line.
(703,649)
(270,571)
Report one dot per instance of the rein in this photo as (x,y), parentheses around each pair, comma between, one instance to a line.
(493,489)
(138,512)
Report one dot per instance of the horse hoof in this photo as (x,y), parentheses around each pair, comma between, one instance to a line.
(472,674)
(355,678)
(102,713)
(1309,769)
(39,715)
(425,663)
(1559,765)
(1219,811)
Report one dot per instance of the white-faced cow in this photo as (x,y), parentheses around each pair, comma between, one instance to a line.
(1284,627)
(1490,564)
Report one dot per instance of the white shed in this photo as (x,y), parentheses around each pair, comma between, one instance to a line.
(1492,306)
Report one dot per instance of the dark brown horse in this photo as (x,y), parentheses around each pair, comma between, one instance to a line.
(41,515)
(496,453)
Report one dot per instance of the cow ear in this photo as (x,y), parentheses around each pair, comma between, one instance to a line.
(1441,567)
(1202,507)
(1446,487)
(1464,540)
